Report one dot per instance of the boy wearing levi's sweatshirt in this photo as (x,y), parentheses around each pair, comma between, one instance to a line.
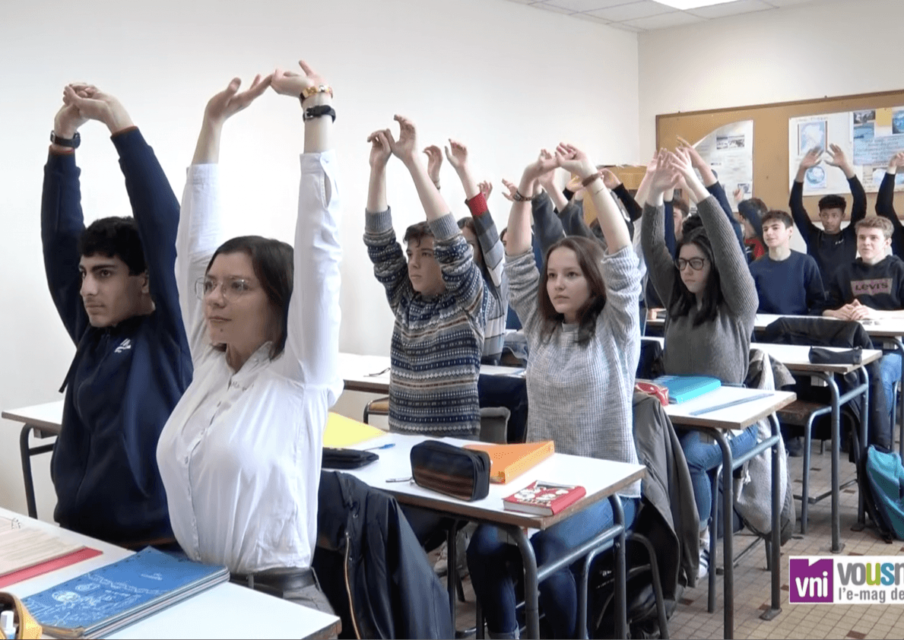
(872,287)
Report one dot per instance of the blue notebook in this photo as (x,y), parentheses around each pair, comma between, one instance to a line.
(99,602)
(684,388)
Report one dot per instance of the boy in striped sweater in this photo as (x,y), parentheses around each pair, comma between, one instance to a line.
(438,298)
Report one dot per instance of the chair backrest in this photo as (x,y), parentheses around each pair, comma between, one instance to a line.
(494,424)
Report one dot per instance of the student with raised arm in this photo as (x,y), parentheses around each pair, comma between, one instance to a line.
(438,298)
(240,456)
(480,232)
(830,246)
(114,289)
(580,310)
(872,288)
(885,203)
(712,303)
(712,184)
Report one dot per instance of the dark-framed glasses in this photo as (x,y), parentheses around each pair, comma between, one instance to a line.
(694,263)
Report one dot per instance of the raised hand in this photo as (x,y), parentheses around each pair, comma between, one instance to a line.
(434,162)
(660,174)
(511,190)
(93,104)
(837,158)
(68,120)
(610,179)
(229,102)
(696,159)
(544,164)
(812,158)
(574,160)
(547,179)
(896,161)
(458,155)
(738,195)
(405,148)
(380,148)
(486,188)
(291,83)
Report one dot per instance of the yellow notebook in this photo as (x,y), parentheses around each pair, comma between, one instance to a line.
(511,460)
(343,432)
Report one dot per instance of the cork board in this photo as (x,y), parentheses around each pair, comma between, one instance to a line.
(770,139)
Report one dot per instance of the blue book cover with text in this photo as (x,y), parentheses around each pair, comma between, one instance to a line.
(118,590)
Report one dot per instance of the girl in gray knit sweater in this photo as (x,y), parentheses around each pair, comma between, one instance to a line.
(712,303)
(581,321)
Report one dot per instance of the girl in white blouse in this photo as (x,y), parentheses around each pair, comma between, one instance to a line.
(240,455)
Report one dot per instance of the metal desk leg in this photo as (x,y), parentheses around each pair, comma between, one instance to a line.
(776,550)
(531,582)
(829,379)
(621,599)
(864,431)
(899,345)
(25,453)
(727,533)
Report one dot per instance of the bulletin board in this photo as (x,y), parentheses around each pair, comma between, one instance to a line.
(770,139)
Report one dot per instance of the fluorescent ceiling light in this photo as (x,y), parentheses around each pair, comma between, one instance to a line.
(684,5)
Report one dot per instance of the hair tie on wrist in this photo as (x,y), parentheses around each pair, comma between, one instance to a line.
(586,182)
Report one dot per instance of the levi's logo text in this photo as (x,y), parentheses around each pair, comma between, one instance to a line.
(846,580)
(871,287)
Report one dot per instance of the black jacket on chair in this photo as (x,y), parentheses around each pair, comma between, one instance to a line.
(371,567)
(825,332)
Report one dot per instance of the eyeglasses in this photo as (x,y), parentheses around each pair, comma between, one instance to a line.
(694,263)
(232,288)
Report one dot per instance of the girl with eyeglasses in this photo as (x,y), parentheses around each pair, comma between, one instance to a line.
(240,455)
(712,303)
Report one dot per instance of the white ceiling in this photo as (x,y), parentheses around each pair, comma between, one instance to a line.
(646,15)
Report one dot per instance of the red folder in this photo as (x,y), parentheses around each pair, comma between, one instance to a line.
(46,567)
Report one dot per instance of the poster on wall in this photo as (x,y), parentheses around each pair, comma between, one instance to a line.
(869,137)
(729,151)
(878,135)
(811,132)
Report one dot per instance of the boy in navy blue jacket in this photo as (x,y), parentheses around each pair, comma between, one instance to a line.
(114,287)
(787,282)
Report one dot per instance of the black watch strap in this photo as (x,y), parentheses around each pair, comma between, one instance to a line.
(320,110)
(72,142)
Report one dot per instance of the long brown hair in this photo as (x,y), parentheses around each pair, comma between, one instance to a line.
(590,256)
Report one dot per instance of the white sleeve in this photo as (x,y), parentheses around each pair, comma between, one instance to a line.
(200,233)
(312,344)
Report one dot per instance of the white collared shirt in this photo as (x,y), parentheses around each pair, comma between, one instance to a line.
(240,455)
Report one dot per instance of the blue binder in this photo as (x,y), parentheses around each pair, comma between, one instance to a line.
(684,388)
(99,602)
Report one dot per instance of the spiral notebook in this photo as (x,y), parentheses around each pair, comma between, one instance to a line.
(97,603)
(684,388)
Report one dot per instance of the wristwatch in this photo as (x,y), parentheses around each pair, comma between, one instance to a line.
(71,143)
(520,197)
(307,92)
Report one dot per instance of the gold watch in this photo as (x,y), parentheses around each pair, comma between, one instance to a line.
(307,92)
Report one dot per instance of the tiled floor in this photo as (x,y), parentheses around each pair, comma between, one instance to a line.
(752,582)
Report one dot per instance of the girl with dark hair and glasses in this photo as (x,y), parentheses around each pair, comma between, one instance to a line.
(240,456)
(712,303)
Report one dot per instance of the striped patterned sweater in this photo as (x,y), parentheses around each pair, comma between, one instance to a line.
(497,282)
(436,341)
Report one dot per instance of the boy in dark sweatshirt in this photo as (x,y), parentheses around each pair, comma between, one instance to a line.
(830,246)
(114,286)
(872,287)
